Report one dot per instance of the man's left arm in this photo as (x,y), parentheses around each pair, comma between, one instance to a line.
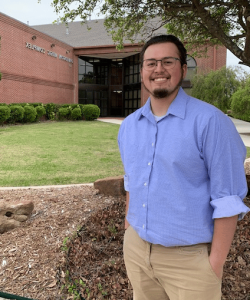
(224,229)
(224,154)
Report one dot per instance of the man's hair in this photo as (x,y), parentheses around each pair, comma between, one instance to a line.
(166,38)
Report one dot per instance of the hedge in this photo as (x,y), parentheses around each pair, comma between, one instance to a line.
(32,112)
(91,112)
(4,113)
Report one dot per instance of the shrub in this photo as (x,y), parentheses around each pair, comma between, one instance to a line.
(29,114)
(16,113)
(81,107)
(4,113)
(64,113)
(67,105)
(50,111)
(241,103)
(74,106)
(216,87)
(36,104)
(21,104)
(40,111)
(76,114)
(91,112)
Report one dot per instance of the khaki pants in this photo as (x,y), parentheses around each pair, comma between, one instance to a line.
(174,273)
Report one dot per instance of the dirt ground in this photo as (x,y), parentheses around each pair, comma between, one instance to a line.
(30,254)
(35,258)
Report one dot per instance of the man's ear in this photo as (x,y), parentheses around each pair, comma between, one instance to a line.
(141,76)
(184,69)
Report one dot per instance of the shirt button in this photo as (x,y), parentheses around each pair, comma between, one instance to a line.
(149,164)
(143,226)
(145,183)
(152,144)
(143,205)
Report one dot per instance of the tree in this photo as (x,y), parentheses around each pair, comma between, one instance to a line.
(196,22)
(241,102)
(216,87)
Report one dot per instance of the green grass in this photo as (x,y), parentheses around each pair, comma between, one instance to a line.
(54,153)
(248,152)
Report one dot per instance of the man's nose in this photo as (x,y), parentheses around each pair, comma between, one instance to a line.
(159,67)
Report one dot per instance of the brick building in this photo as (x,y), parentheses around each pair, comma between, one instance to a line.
(72,64)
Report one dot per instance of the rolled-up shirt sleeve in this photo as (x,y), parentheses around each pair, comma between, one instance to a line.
(126,184)
(224,155)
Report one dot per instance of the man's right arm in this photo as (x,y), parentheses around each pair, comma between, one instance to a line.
(127,205)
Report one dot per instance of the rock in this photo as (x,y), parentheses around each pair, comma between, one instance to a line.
(247,166)
(12,214)
(247,171)
(111,186)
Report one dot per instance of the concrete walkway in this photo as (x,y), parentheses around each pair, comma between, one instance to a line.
(242,127)
(244,130)
(111,120)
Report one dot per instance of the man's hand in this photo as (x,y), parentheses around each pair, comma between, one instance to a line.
(217,268)
(126,224)
(224,229)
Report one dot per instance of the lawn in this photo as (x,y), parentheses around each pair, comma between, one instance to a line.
(53,153)
(248,152)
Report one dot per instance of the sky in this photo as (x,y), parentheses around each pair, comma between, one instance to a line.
(43,13)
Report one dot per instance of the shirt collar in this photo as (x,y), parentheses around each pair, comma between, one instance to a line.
(176,108)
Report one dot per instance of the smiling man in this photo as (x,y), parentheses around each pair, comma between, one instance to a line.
(185,183)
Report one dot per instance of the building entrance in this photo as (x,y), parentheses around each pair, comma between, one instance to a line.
(105,82)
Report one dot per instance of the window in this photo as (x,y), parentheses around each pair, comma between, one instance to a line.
(132,87)
(92,71)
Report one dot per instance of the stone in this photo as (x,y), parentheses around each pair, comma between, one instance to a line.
(247,172)
(247,166)
(111,186)
(13,214)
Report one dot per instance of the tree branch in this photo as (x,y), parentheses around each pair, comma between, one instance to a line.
(216,31)
(237,37)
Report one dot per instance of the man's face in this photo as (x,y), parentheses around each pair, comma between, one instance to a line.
(159,82)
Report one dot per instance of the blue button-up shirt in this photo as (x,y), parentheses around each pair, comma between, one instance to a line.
(182,172)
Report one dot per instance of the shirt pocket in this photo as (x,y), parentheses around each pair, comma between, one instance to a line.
(191,250)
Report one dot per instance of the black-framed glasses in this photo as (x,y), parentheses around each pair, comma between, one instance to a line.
(166,62)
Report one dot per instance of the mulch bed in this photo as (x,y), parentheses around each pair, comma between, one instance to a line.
(94,268)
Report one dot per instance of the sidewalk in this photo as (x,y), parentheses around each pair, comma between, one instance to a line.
(242,127)
(244,130)
(111,120)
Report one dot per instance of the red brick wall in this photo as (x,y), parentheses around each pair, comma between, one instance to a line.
(215,59)
(32,76)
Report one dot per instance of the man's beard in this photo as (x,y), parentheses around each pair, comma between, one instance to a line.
(161,93)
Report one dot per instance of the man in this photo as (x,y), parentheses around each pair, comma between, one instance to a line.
(185,183)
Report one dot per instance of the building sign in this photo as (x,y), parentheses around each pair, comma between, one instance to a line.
(66,58)
(53,54)
(50,53)
(34,47)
